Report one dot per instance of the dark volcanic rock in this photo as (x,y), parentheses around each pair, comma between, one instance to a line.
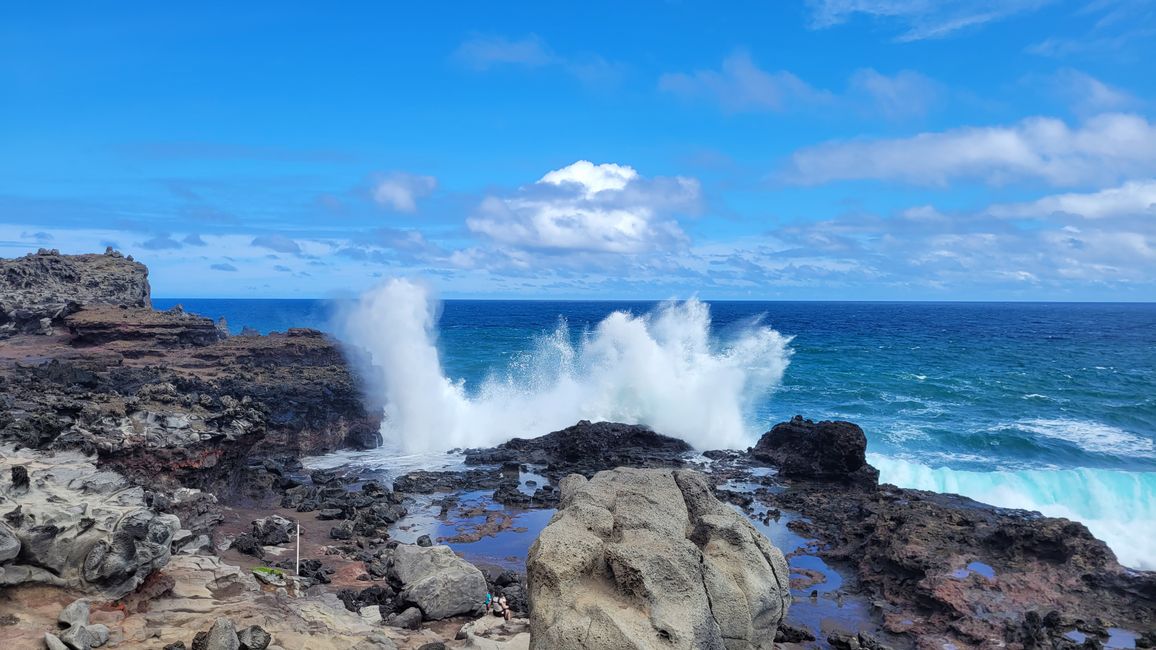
(164,397)
(40,289)
(827,450)
(587,448)
(962,567)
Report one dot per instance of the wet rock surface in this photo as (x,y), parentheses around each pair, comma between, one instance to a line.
(649,558)
(587,448)
(824,450)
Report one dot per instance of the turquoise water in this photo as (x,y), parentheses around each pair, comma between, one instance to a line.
(1045,406)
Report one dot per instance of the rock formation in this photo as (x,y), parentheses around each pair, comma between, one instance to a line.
(587,448)
(827,450)
(436,581)
(649,558)
(165,397)
(40,289)
(74,526)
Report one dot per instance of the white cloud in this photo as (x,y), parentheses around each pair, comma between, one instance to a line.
(1103,149)
(400,191)
(740,85)
(588,207)
(485,52)
(921,19)
(1133,198)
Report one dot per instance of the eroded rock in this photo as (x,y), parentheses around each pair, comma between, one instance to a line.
(639,558)
(78,527)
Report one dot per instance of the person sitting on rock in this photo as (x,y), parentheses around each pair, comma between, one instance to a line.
(504,608)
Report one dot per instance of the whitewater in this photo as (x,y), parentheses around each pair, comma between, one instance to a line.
(1046,407)
(661,369)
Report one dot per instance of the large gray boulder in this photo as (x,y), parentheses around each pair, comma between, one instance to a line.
(639,559)
(438,582)
(77,527)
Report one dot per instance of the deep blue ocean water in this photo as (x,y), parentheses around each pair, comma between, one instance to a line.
(1049,406)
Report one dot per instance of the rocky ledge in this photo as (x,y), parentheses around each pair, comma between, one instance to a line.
(165,397)
(941,569)
(39,289)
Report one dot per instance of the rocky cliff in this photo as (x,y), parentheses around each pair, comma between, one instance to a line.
(165,397)
(40,289)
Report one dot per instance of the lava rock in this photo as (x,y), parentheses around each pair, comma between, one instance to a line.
(829,450)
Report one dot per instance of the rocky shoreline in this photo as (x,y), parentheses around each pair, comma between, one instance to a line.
(151,479)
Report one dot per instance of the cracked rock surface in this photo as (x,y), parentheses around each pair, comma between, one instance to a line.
(645,558)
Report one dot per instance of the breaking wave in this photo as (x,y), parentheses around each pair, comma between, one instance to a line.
(663,369)
(1119,507)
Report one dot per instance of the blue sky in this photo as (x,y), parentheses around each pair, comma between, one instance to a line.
(795,149)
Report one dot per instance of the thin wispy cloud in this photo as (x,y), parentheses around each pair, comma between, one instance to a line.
(1106,28)
(481,53)
(920,19)
(485,52)
(1088,95)
(740,85)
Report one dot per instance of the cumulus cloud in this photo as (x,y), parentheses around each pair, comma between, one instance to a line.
(920,19)
(278,243)
(400,191)
(740,85)
(225,266)
(1103,149)
(484,52)
(587,207)
(1133,198)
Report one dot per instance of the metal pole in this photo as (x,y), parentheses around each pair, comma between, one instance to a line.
(298,571)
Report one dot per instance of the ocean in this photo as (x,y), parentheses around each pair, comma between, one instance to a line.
(1043,406)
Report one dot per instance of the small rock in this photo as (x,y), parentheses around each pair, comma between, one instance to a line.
(53,643)
(371,614)
(254,637)
(179,645)
(436,645)
(75,614)
(19,477)
(223,636)
(425,541)
(409,619)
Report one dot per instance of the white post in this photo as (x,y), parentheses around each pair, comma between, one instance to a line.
(298,571)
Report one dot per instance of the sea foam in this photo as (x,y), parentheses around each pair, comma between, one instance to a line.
(663,369)
(1119,507)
